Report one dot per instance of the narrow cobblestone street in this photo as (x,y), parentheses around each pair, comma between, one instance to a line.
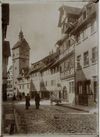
(54,119)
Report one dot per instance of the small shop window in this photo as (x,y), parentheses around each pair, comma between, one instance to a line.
(79,62)
(94,54)
(86,58)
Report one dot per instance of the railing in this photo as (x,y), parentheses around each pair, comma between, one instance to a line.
(66,52)
(67,74)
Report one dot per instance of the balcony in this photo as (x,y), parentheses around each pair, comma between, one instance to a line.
(81,22)
(67,52)
(67,74)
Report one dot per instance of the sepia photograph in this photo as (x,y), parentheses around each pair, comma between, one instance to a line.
(50,68)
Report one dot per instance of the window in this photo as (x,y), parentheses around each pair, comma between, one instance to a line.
(65,65)
(28,86)
(60,69)
(86,58)
(15,68)
(94,55)
(69,43)
(93,27)
(57,68)
(52,82)
(84,15)
(79,62)
(71,63)
(88,88)
(20,86)
(23,86)
(84,34)
(64,45)
(80,88)
(71,87)
(46,83)
(51,71)
(78,38)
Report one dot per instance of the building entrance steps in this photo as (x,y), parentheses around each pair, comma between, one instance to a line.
(89,109)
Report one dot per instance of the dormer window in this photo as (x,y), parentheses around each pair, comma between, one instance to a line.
(78,38)
(69,43)
(85,33)
(93,27)
(84,15)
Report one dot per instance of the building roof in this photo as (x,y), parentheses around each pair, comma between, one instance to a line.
(55,63)
(44,63)
(21,41)
(60,42)
(6,49)
(52,61)
(36,66)
(90,16)
(71,10)
(46,66)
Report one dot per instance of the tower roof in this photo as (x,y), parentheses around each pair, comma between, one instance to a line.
(21,36)
(21,41)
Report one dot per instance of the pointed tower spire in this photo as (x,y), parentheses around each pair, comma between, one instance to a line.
(21,36)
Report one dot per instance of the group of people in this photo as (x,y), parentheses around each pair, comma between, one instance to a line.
(37,101)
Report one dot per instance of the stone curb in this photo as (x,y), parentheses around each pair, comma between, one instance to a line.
(16,121)
(72,107)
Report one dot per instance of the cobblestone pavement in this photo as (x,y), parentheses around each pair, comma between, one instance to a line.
(55,119)
(8,118)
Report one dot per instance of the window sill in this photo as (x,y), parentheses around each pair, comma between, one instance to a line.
(94,63)
(92,33)
(79,68)
(86,66)
(85,38)
(78,43)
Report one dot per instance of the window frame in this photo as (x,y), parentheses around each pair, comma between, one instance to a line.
(79,61)
(85,61)
(94,53)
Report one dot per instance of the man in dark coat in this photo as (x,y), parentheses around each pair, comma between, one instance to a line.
(14,97)
(27,101)
(37,100)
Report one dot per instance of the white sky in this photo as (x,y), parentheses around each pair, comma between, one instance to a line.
(38,21)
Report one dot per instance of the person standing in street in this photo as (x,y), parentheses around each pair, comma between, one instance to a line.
(14,97)
(27,101)
(37,100)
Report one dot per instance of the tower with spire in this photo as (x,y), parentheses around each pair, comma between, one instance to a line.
(20,57)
